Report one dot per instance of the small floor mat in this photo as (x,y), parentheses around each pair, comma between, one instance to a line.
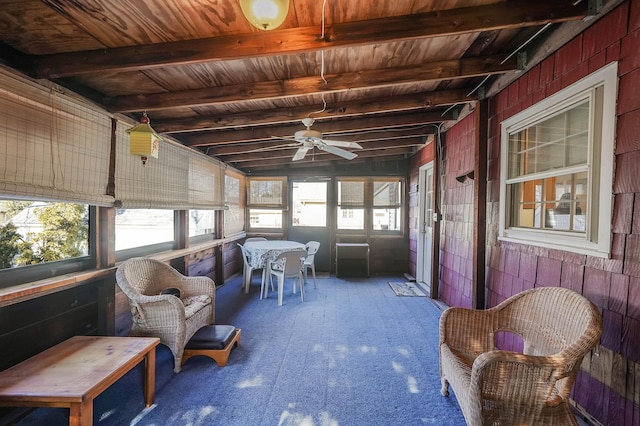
(407,289)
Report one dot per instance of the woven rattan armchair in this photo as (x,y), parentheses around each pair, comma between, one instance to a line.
(496,387)
(173,319)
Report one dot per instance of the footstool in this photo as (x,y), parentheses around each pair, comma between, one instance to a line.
(214,341)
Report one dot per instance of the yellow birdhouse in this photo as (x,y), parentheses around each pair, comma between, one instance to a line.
(143,140)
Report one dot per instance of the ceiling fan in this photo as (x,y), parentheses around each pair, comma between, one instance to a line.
(309,139)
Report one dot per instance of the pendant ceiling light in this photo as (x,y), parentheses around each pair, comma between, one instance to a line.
(143,140)
(265,14)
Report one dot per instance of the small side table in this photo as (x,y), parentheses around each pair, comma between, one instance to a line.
(350,257)
(73,373)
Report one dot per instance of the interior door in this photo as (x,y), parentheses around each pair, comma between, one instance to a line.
(425,239)
(310,218)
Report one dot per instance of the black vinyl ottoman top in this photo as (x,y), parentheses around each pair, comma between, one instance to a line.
(212,337)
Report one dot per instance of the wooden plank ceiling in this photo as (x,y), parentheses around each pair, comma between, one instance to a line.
(382,73)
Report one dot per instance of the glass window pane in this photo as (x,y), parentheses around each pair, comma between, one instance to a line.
(569,211)
(351,193)
(202,222)
(557,142)
(265,218)
(309,204)
(232,190)
(350,218)
(577,150)
(234,216)
(266,192)
(143,227)
(552,203)
(33,232)
(386,219)
(386,193)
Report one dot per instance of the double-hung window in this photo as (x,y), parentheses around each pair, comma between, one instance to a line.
(557,167)
(387,202)
(351,204)
(266,201)
(370,205)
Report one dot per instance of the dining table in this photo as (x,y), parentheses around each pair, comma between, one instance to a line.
(261,252)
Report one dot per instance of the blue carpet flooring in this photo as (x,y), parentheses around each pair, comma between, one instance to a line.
(353,353)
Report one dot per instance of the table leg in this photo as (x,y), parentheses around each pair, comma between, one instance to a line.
(81,413)
(150,377)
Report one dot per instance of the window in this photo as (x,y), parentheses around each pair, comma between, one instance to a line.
(309,201)
(557,167)
(202,222)
(33,232)
(234,190)
(144,227)
(266,201)
(41,239)
(387,202)
(370,204)
(351,204)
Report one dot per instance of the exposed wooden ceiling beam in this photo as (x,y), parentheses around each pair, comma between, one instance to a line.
(391,138)
(277,150)
(319,156)
(333,110)
(305,86)
(515,14)
(330,167)
(355,125)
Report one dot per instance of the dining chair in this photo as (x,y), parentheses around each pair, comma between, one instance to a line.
(312,248)
(287,265)
(247,270)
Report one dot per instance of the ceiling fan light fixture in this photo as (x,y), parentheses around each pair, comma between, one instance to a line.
(265,14)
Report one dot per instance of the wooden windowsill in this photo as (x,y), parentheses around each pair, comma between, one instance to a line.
(22,292)
(31,290)
(174,254)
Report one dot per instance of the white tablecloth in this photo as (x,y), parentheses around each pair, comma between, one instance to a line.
(262,251)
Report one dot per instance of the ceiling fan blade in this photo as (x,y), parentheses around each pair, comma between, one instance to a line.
(343,144)
(338,151)
(300,153)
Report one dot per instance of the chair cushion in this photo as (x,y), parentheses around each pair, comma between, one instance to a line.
(171,290)
(212,337)
(194,303)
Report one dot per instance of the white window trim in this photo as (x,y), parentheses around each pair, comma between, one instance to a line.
(596,243)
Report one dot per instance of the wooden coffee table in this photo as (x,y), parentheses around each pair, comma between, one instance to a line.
(72,373)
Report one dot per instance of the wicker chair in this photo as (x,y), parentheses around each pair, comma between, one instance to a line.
(495,387)
(174,320)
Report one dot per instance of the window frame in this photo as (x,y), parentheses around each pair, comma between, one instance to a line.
(149,249)
(399,206)
(199,238)
(369,207)
(596,241)
(352,206)
(29,273)
(279,207)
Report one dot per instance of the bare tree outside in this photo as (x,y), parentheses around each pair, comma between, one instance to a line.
(33,233)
